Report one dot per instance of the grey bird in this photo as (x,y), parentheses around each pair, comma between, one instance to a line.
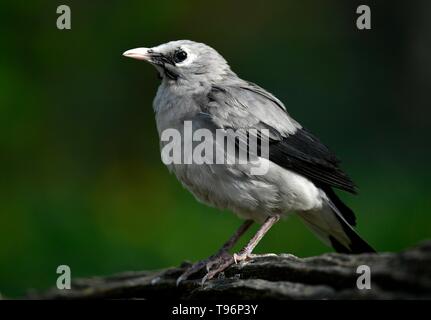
(198,85)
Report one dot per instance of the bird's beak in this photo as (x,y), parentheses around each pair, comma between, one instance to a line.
(139,54)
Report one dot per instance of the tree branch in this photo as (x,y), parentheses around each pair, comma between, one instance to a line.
(404,275)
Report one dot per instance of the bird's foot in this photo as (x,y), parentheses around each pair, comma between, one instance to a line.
(218,265)
(213,263)
(223,262)
(242,257)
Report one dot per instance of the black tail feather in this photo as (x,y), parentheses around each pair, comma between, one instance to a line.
(357,244)
(345,211)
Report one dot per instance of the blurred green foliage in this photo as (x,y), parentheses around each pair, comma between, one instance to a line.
(82,183)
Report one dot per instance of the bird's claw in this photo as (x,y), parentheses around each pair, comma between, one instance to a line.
(218,260)
(240,257)
(213,263)
(224,261)
(218,267)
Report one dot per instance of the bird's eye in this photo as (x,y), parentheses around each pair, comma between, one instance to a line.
(180,56)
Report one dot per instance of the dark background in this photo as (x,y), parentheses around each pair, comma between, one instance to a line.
(81,179)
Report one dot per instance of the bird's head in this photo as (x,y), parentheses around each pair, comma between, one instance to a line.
(184,62)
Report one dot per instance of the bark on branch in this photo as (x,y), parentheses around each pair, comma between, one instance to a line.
(404,275)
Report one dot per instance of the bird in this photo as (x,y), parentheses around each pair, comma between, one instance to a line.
(198,85)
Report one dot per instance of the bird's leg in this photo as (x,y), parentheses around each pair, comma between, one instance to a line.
(219,257)
(245,253)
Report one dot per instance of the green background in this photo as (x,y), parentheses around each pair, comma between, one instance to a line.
(81,180)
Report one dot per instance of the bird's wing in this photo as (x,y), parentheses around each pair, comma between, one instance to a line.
(247,106)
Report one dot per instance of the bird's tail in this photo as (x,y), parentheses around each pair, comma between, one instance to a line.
(331,227)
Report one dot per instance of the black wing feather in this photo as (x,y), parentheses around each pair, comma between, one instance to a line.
(303,153)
